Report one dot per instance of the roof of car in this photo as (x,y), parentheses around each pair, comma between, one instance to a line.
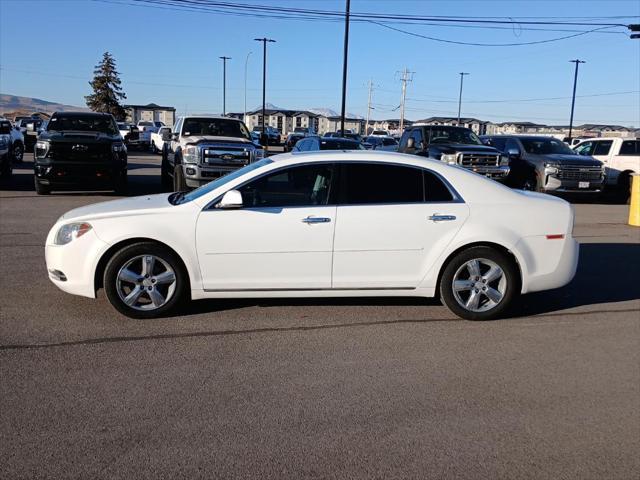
(216,117)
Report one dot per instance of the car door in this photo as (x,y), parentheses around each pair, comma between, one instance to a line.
(281,238)
(393,221)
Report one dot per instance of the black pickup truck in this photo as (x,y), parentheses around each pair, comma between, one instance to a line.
(456,146)
(80,151)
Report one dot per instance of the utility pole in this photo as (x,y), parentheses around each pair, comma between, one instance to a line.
(407,76)
(264,41)
(246,64)
(573,98)
(224,84)
(366,127)
(344,67)
(462,74)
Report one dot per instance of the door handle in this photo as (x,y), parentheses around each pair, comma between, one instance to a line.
(316,220)
(442,218)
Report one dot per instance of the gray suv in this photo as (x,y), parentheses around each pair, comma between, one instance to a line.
(546,164)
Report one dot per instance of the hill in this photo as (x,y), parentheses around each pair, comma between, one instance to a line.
(16,105)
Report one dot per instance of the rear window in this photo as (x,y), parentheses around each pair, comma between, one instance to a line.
(78,123)
(340,144)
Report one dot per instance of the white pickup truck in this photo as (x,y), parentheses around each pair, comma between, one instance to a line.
(158,139)
(621,157)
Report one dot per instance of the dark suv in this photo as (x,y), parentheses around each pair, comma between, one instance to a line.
(80,151)
(547,164)
(455,146)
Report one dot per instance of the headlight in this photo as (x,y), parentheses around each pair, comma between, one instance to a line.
(259,153)
(449,158)
(70,232)
(118,147)
(504,160)
(551,169)
(4,141)
(190,154)
(42,149)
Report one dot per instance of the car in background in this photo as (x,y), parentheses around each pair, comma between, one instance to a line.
(380,142)
(159,138)
(348,134)
(379,133)
(272,134)
(6,167)
(333,224)
(292,139)
(147,126)
(131,136)
(546,164)
(310,144)
(80,151)
(455,146)
(28,127)
(621,158)
(203,148)
(16,141)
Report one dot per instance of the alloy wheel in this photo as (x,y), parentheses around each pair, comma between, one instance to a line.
(146,282)
(479,285)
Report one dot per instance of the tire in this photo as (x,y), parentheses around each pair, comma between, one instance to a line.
(40,188)
(17,152)
(135,291)
(179,183)
(507,286)
(530,183)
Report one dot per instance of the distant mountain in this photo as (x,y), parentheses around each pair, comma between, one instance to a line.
(269,106)
(14,103)
(327,112)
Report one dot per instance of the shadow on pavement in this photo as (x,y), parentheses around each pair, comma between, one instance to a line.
(607,273)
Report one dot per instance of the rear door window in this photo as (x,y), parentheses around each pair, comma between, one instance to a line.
(377,183)
(630,147)
(602,147)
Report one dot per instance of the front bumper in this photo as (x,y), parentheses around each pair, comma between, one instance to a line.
(496,172)
(70,174)
(71,267)
(196,175)
(553,184)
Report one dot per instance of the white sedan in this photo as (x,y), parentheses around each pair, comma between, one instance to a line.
(322,224)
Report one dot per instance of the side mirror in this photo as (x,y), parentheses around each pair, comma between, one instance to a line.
(166,136)
(513,153)
(231,199)
(175,136)
(411,143)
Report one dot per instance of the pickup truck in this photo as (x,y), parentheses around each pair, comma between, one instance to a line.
(157,139)
(203,148)
(455,146)
(621,157)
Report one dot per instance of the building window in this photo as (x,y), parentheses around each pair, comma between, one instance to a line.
(260,120)
(298,121)
(280,122)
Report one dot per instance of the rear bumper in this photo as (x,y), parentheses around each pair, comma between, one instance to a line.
(549,263)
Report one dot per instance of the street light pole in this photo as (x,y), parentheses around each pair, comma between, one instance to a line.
(224,84)
(246,64)
(573,98)
(462,74)
(344,67)
(264,82)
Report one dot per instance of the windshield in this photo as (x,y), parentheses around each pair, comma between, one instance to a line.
(545,146)
(182,197)
(215,127)
(90,123)
(145,124)
(373,140)
(452,135)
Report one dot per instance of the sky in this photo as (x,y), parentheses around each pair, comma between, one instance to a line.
(48,49)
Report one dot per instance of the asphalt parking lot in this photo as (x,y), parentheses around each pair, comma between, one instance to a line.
(328,388)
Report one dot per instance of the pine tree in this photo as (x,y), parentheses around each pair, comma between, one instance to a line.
(107,92)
